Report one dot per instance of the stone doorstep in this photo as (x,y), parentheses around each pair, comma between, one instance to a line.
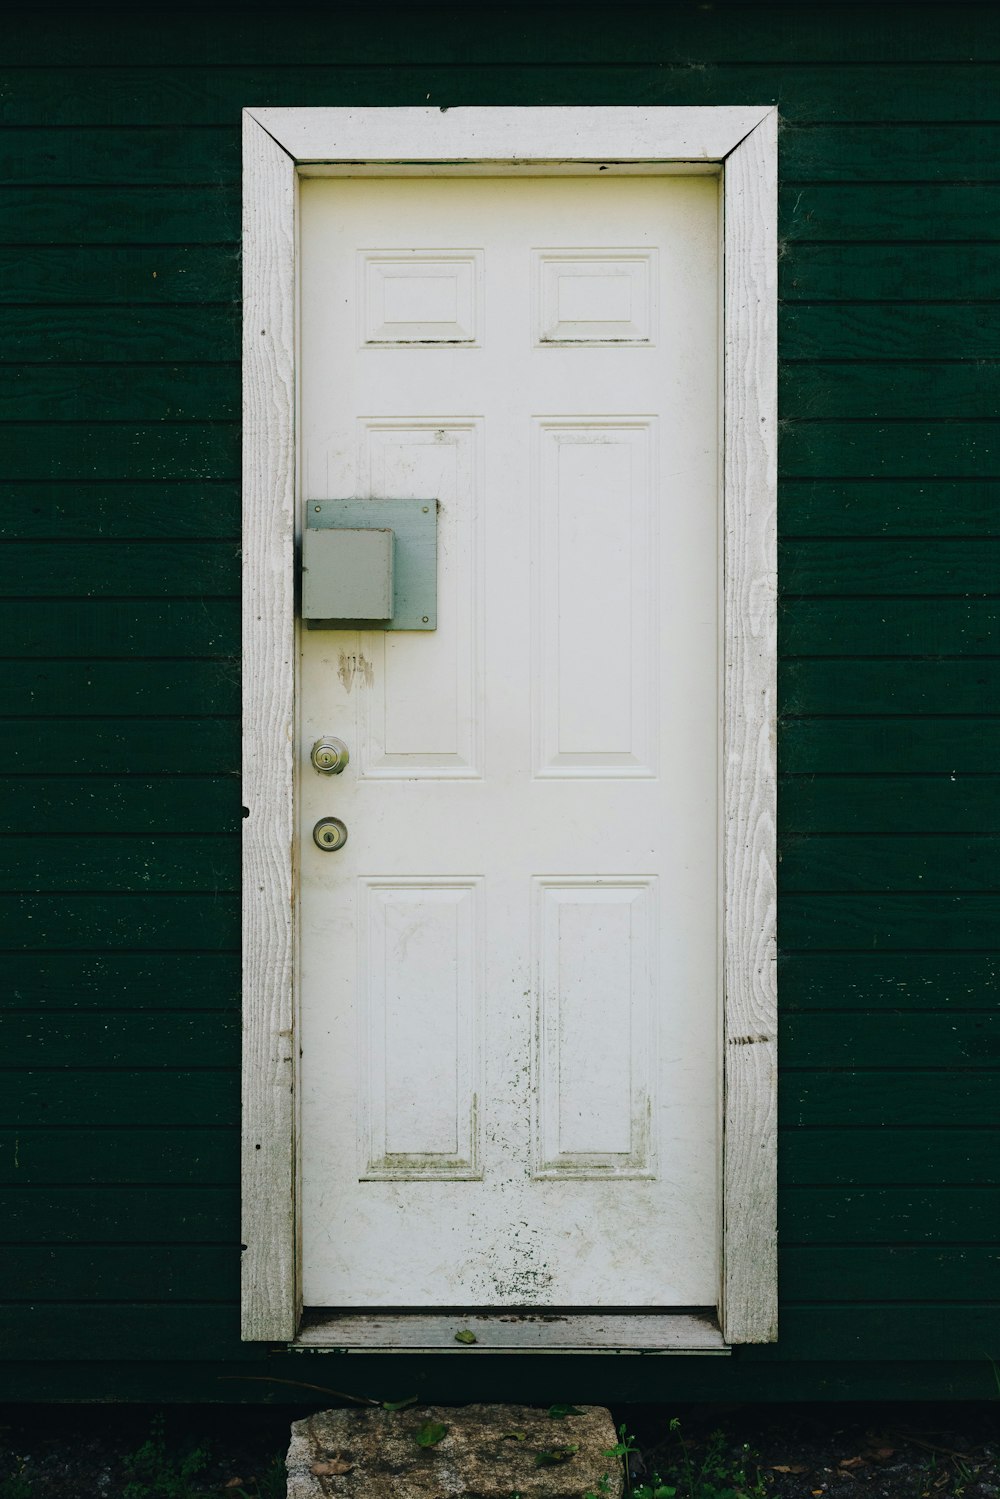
(487,1452)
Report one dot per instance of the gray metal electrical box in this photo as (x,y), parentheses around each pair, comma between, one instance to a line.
(362,557)
(347,574)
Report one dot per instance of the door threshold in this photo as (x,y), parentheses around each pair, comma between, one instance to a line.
(693,1331)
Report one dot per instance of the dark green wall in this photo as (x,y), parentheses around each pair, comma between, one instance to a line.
(120,392)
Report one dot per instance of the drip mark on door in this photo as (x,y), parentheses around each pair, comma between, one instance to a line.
(353,667)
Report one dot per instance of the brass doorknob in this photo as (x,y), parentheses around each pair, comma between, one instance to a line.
(329,756)
(329,834)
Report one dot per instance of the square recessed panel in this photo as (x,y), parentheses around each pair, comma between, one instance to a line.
(420,298)
(594,296)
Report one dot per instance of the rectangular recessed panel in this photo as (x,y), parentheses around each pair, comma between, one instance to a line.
(421,298)
(594,965)
(594,296)
(594,660)
(422,714)
(419,992)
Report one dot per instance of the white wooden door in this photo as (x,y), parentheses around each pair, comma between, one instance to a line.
(509,975)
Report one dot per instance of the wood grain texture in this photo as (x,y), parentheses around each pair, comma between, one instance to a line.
(900,507)
(197,1155)
(91,510)
(171,1273)
(938,389)
(880,1157)
(109,333)
(156,274)
(195,980)
(115,1098)
(890,627)
(888,273)
(899,980)
(749,1293)
(270,1276)
(121,392)
(942,803)
(204,95)
(132,627)
(127,804)
(727,33)
(167,1041)
(907,687)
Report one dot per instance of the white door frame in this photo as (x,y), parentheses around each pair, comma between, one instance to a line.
(740,144)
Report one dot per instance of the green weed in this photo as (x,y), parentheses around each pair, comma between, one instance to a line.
(154,1471)
(15,1486)
(708,1472)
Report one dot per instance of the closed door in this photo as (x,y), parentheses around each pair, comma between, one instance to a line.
(509,973)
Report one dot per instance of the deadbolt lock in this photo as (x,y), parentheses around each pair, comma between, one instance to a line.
(329,834)
(329,756)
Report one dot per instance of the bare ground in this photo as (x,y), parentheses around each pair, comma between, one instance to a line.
(914,1451)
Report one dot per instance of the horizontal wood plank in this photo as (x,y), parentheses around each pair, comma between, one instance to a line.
(103,923)
(823,388)
(123,451)
(889,210)
(884,565)
(898,507)
(119,1215)
(149,1330)
(198,95)
(898,861)
(890,627)
(158,275)
(169,1273)
(142,158)
(140,746)
(893,981)
(119,392)
(889,272)
(887,1038)
(115,863)
(122,569)
(82,628)
(100,1099)
(889,1215)
(37,805)
(54,1157)
(92,511)
(46,689)
(142,982)
(882,745)
(893,1099)
(864,331)
(897,153)
(61,334)
(888,1331)
(896,450)
(401,34)
(120,215)
(896,1157)
(902,686)
(904,922)
(943,803)
(890,1272)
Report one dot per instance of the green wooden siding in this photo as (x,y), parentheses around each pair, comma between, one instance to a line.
(119,576)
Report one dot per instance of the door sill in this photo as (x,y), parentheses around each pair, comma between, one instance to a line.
(692,1331)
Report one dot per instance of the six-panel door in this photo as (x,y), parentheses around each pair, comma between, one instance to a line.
(509,973)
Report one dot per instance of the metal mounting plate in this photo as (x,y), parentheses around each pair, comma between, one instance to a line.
(414,524)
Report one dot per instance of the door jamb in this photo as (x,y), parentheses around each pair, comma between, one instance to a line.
(279,144)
